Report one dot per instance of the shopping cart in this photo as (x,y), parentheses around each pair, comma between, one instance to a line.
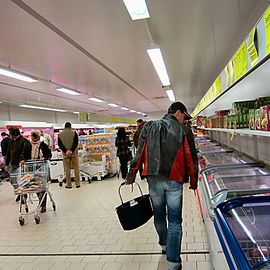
(30,178)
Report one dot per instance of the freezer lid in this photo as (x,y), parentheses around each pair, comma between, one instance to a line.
(239,171)
(213,148)
(227,159)
(243,226)
(240,185)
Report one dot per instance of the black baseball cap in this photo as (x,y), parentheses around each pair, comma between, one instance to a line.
(181,107)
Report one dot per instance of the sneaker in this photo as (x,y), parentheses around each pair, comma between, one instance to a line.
(43,209)
(68,187)
(78,186)
(18,198)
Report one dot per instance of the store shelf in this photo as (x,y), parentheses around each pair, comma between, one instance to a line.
(240,131)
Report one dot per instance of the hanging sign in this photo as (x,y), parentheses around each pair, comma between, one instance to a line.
(252,51)
(218,86)
(266,18)
(88,117)
(80,116)
(231,72)
(227,77)
(240,61)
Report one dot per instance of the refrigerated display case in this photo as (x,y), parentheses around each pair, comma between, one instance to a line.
(212,149)
(221,184)
(243,228)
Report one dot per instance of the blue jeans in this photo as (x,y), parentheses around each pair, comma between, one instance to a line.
(166,197)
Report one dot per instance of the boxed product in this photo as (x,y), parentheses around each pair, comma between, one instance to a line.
(265,118)
(258,119)
(251,119)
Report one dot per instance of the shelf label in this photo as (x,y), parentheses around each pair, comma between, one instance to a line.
(252,51)
(240,61)
(266,18)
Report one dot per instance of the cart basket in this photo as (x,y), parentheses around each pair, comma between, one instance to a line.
(134,213)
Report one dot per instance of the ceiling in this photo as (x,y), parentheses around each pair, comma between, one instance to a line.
(93,46)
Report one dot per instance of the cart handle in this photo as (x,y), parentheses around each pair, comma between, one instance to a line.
(123,184)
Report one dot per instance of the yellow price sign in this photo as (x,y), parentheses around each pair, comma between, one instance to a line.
(227,77)
(88,117)
(252,51)
(218,86)
(80,116)
(231,72)
(266,18)
(240,61)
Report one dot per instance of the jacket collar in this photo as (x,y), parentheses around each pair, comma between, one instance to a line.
(169,116)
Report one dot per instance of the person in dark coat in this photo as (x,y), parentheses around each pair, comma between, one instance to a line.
(124,154)
(4,146)
(19,151)
(40,151)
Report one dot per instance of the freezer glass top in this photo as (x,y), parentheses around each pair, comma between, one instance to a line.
(250,225)
(241,185)
(217,173)
(213,148)
(227,159)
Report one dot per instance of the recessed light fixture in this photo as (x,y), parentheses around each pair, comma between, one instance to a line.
(132,111)
(95,99)
(170,95)
(113,105)
(16,75)
(68,91)
(76,112)
(159,65)
(124,109)
(137,9)
(41,108)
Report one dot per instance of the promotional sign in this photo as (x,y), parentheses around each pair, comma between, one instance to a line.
(218,86)
(88,117)
(252,51)
(266,18)
(240,61)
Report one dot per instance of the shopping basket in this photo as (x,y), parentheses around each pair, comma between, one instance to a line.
(134,213)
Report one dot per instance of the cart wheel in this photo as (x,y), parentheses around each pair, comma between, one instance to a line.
(21,221)
(26,209)
(60,184)
(37,219)
(54,207)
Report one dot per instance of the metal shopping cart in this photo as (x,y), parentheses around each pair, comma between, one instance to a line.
(30,178)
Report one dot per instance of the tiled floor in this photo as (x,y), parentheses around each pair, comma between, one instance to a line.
(84,233)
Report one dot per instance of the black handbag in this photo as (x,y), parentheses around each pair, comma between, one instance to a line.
(134,213)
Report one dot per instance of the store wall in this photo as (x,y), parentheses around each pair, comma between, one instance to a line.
(12,113)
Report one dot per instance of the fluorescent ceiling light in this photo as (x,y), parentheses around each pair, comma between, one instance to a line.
(41,108)
(138,112)
(132,111)
(16,75)
(170,95)
(95,99)
(1,102)
(113,105)
(68,91)
(158,62)
(137,9)
(76,112)
(124,108)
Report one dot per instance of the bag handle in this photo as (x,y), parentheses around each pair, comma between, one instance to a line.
(123,184)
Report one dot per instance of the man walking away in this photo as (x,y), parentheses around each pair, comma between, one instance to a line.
(167,149)
(68,143)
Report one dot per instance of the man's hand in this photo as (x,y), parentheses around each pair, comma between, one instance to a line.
(6,168)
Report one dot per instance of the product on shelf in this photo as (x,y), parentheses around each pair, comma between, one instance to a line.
(258,119)
(265,118)
(252,119)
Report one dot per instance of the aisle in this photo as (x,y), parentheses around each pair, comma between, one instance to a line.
(84,233)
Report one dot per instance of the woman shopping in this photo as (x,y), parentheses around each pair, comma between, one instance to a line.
(124,154)
(40,151)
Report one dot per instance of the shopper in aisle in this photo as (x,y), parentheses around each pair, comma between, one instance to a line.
(4,146)
(19,151)
(167,149)
(68,143)
(124,154)
(81,132)
(136,136)
(46,138)
(40,151)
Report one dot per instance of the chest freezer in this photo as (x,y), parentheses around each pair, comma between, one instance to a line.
(243,228)
(212,149)
(218,189)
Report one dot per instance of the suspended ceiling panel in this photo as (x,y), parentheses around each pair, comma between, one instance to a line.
(95,47)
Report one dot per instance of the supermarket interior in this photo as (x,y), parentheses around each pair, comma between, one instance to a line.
(102,65)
